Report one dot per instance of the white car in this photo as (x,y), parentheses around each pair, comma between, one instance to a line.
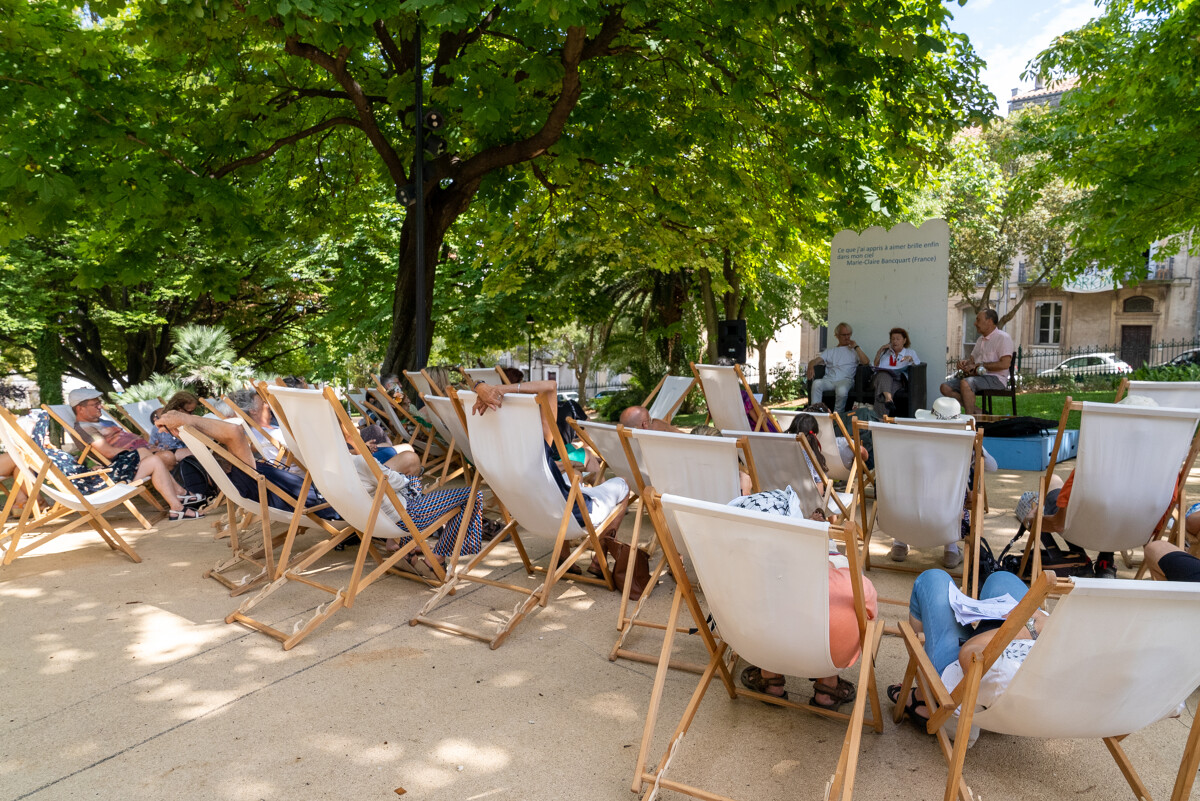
(1092,364)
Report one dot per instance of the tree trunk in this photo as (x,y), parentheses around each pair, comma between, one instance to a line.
(49,367)
(761,347)
(710,314)
(443,207)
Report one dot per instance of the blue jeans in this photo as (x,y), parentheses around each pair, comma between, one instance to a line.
(930,604)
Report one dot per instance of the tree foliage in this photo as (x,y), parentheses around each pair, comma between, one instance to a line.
(1126,132)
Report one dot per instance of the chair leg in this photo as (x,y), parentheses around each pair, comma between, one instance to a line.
(656,692)
(1122,760)
(1188,765)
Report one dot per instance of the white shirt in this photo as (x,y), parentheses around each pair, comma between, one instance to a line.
(840,363)
(894,362)
(398,481)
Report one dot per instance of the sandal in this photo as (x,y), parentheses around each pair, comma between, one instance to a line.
(753,679)
(910,709)
(184,514)
(843,693)
(192,498)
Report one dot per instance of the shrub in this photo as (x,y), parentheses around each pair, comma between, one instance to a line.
(609,407)
(1168,372)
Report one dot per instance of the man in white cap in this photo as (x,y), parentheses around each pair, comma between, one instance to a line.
(129,455)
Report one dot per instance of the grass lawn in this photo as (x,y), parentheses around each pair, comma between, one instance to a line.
(1029,404)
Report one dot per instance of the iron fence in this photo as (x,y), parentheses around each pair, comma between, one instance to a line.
(1033,359)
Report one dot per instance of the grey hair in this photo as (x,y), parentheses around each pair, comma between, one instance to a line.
(246,399)
(841,325)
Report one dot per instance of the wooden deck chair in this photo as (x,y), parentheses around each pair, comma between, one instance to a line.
(39,474)
(216,407)
(785,417)
(508,446)
(921,478)
(706,468)
(1171,394)
(1129,462)
(488,375)
(260,554)
(1108,662)
(967,424)
(604,441)
(780,460)
(666,398)
(421,383)
(771,603)
(828,430)
(720,386)
(320,428)
(65,416)
(139,412)
(263,441)
(440,415)
(393,414)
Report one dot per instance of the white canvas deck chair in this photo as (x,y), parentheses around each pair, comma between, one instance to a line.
(720,386)
(785,417)
(1129,461)
(921,479)
(666,398)
(65,416)
(772,606)
(139,412)
(257,553)
(394,413)
(829,428)
(488,375)
(706,468)
(320,428)
(1109,661)
(508,446)
(40,476)
(780,461)
(604,441)
(1171,394)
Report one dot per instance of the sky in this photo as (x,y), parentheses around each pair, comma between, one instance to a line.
(1008,33)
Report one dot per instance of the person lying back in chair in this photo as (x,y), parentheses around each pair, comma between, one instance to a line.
(639,417)
(601,500)
(950,645)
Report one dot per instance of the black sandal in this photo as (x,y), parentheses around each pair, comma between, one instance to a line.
(910,709)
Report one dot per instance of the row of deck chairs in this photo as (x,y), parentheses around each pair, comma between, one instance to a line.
(780,625)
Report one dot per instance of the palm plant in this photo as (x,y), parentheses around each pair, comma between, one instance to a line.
(205,360)
(156,386)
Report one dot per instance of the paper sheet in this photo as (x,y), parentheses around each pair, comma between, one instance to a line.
(969,611)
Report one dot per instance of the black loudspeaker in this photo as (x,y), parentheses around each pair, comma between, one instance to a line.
(731,340)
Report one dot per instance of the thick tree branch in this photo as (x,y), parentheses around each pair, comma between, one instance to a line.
(266,153)
(366,114)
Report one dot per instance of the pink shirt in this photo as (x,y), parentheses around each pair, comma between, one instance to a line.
(843,623)
(992,348)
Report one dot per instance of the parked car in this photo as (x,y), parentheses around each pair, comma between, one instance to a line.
(1092,364)
(1186,358)
(571,395)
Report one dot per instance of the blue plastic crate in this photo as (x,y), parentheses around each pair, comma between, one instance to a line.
(1030,453)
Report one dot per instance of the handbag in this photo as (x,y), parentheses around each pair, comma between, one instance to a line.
(619,551)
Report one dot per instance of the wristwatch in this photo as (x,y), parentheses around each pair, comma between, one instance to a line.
(1033,633)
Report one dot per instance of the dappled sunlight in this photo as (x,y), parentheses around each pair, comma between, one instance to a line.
(190,702)
(22,593)
(471,756)
(513,678)
(620,706)
(167,637)
(65,660)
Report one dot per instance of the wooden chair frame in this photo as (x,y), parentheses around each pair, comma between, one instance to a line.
(942,702)
(292,570)
(557,567)
(870,633)
(31,515)
(969,575)
(983,397)
(762,413)
(1174,511)
(627,624)
(675,407)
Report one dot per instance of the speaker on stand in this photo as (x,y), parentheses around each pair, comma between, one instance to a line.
(731,340)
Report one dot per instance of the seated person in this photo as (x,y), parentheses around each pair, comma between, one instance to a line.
(401,458)
(252,404)
(129,455)
(513,374)
(639,417)
(845,446)
(950,645)
(182,401)
(600,501)
(829,692)
(841,361)
(168,446)
(1168,562)
(987,368)
(891,370)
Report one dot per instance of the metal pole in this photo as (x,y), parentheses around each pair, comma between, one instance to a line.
(529,377)
(419,310)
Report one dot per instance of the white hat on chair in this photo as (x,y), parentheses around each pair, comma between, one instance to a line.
(946,409)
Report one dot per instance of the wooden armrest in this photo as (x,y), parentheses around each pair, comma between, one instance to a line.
(90,473)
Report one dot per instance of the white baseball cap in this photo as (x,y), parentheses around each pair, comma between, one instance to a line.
(80,395)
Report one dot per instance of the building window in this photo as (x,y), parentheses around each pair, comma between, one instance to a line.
(970,334)
(1049,323)
(1138,304)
